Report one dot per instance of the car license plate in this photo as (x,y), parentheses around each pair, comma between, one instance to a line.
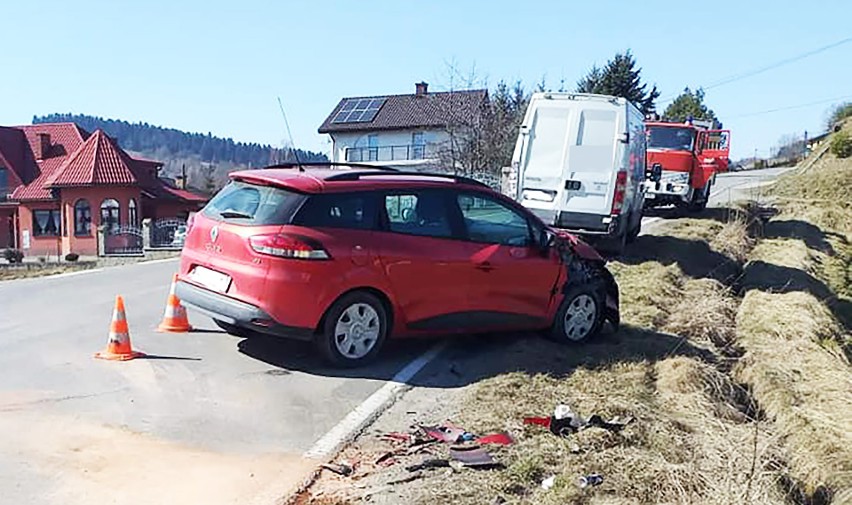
(210,279)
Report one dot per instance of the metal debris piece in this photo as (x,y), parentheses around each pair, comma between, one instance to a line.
(342,468)
(594,479)
(427,464)
(473,456)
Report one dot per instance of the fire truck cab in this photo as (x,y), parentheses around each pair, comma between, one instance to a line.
(682,162)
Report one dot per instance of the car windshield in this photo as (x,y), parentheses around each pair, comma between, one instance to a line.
(662,137)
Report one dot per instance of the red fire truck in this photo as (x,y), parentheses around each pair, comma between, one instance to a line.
(682,162)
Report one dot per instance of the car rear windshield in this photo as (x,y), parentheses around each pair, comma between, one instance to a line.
(244,203)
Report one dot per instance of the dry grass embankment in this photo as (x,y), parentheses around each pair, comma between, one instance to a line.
(735,400)
(793,326)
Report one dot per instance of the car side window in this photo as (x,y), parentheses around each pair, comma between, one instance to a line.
(492,222)
(421,213)
(355,211)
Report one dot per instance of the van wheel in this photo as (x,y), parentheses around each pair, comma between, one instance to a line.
(354,330)
(580,316)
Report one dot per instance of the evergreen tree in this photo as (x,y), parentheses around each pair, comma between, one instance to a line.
(690,104)
(620,77)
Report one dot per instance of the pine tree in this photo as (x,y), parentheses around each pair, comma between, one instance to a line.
(690,104)
(620,77)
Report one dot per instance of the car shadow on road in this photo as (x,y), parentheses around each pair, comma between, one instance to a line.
(471,358)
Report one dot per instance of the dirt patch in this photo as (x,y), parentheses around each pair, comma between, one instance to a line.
(84,463)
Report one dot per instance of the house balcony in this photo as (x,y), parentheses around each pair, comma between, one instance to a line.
(408,152)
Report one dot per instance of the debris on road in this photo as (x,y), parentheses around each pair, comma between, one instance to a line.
(428,464)
(594,479)
(473,456)
(548,482)
(343,468)
(564,422)
(502,438)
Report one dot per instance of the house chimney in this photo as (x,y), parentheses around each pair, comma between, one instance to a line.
(180,182)
(420,88)
(43,146)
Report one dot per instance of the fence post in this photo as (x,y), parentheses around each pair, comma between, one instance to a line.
(101,241)
(146,234)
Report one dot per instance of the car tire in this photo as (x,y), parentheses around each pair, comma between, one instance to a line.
(580,315)
(234,330)
(353,330)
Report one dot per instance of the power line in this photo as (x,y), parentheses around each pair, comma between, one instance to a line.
(800,106)
(760,70)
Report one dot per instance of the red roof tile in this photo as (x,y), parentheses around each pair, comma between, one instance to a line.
(65,138)
(99,162)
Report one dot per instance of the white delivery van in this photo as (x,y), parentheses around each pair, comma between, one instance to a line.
(580,164)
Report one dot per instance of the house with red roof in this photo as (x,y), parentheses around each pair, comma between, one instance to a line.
(59,183)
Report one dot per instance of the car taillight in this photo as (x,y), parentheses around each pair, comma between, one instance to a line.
(620,189)
(284,245)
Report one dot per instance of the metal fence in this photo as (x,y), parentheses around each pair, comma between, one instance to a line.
(167,233)
(123,240)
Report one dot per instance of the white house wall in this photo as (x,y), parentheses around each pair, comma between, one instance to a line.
(384,139)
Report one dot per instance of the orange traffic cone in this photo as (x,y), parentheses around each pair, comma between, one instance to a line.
(118,346)
(174,319)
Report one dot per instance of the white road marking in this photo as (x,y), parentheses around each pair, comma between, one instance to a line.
(367,411)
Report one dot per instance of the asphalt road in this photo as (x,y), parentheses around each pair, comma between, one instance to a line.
(201,395)
(729,187)
(207,417)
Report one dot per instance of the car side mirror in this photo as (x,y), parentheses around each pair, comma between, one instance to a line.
(545,240)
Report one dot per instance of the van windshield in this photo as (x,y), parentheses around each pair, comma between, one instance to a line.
(663,137)
(244,203)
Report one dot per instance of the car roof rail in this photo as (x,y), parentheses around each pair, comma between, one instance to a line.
(332,164)
(354,176)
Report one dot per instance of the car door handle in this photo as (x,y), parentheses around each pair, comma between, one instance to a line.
(485,266)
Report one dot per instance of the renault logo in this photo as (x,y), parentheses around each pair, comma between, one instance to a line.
(214,232)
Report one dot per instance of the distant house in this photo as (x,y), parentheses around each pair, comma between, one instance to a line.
(407,131)
(58,183)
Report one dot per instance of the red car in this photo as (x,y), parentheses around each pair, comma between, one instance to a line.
(348,255)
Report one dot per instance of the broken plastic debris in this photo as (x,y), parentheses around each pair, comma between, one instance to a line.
(548,482)
(501,438)
(428,463)
(342,468)
(564,421)
(473,456)
(594,479)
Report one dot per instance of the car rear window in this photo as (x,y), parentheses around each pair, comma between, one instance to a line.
(251,204)
(338,210)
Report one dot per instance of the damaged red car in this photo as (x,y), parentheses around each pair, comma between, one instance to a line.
(348,256)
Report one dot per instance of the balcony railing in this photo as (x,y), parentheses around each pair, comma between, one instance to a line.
(388,153)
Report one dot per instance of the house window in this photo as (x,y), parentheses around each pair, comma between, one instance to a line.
(110,215)
(418,146)
(46,223)
(132,216)
(373,144)
(82,218)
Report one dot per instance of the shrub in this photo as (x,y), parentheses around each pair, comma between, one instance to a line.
(72,257)
(841,145)
(13,255)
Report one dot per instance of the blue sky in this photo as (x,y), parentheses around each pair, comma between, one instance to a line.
(218,66)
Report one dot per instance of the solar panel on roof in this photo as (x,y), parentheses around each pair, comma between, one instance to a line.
(359,110)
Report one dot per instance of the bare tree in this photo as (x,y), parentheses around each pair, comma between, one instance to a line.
(480,135)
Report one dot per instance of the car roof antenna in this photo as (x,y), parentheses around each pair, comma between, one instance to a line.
(289,134)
